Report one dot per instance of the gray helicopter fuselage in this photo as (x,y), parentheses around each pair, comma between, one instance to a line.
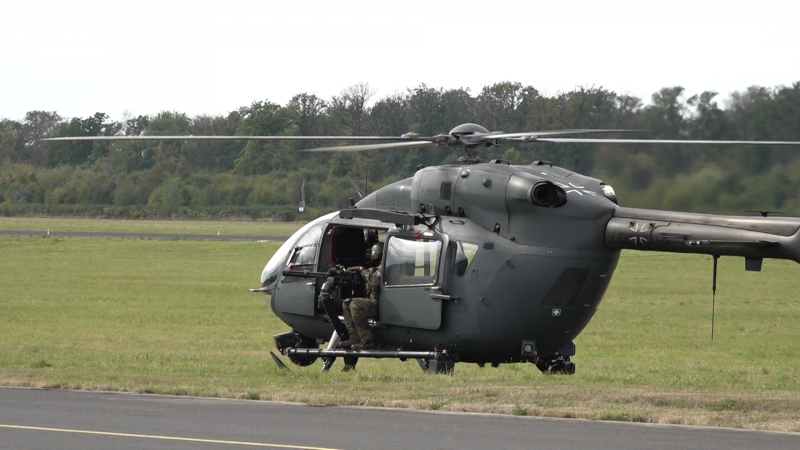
(494,272)
(500,271)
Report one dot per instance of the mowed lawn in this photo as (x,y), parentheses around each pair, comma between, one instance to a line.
(176,317)
(238,228)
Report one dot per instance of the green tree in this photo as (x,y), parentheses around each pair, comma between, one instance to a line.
(667,113)
(80,152)
(12,143)
(307,112)
(459,107)
(169,197)
(497,106)
(389,116)
(264,119)
(135,126)
(213,155)
(168,123)
(349,111)
(426,111)
(665,119)
(38,125)
(708,121)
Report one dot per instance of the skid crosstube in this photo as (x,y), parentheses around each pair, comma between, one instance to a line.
(324,352)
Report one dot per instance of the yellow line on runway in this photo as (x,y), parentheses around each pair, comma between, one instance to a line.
(167,438)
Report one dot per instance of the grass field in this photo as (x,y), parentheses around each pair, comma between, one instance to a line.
(240,228)
(176,317)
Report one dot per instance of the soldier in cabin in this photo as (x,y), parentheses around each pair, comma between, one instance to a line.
(358,310)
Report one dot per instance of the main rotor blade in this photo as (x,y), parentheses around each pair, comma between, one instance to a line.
(661,141)
(360,148)
(235,138)
(548,133)
(361,194)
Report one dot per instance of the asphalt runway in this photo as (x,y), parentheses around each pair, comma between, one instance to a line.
(36,418)
(110,234)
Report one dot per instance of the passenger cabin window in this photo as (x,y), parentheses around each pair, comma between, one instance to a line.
(465,251)
(411,262)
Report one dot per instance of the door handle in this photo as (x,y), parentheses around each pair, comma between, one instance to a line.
(443,297)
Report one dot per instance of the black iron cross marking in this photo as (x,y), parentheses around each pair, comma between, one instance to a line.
(641,233)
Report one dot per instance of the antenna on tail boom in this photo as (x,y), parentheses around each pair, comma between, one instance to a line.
(713,295)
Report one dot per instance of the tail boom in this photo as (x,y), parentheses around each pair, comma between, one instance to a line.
(753,238)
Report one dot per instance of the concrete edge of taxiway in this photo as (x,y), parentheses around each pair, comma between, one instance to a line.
(425,411)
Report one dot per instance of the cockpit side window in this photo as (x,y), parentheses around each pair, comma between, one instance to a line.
(272,271)
(465,252)
(411,262)
(304,256)
(312,237)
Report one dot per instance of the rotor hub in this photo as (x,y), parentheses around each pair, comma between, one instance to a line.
(465,129)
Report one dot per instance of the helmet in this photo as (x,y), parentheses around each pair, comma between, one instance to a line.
(372,237)
(376,252)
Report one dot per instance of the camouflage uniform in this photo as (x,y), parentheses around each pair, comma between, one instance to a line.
(358,309)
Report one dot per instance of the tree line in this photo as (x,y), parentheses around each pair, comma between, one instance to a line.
(261,179)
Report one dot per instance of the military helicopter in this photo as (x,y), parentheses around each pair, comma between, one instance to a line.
(483,262)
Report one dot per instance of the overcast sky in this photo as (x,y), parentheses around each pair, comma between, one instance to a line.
(204,57)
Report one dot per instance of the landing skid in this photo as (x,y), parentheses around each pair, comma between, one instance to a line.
(327,361)
(430,362)
(310,353)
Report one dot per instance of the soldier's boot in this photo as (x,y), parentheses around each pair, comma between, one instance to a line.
(349,343)
(364,345)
